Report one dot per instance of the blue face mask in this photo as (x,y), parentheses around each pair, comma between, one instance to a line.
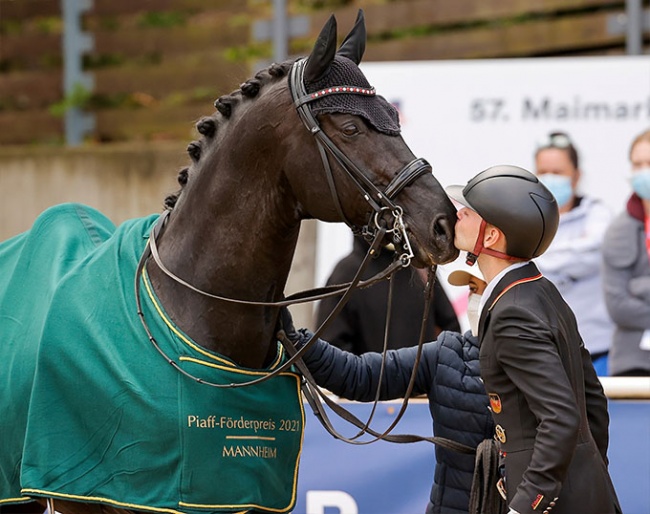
(641,183)
(559,186)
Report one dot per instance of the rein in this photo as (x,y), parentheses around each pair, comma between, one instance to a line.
(309,295)
(316,397)
(152,251)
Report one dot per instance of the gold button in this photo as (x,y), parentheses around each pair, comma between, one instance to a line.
(500,433)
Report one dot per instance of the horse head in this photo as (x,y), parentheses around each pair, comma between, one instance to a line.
(360,133)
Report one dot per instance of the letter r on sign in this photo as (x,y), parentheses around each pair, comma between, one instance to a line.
(318,500)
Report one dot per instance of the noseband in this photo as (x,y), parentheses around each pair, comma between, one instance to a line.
(381,202)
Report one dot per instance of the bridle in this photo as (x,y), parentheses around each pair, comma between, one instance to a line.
(381,202)
(376,229)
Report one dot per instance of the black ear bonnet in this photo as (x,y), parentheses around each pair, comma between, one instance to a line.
(374,109)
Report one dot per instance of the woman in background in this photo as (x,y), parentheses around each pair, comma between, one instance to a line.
(627,270)
(573,260)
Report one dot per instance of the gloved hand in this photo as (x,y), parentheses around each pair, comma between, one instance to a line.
(286,324)
(298,337)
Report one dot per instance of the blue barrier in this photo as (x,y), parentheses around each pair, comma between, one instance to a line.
(385,478)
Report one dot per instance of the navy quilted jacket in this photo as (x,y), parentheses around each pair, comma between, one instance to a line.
(448,374)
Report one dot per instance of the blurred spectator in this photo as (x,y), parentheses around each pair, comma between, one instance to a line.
(573,261)
(360,326)
(627,270)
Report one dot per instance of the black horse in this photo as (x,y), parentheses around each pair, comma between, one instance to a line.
(92,416)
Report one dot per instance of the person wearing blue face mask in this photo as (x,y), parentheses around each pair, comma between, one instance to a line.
(627,270)
(573,260)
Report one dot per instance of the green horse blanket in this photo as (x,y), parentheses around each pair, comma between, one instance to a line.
(90,411)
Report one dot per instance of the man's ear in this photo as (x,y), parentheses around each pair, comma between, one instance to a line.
(494,239)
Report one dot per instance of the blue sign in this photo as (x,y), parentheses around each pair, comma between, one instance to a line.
(388,478)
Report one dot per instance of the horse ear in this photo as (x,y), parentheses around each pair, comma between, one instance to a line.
(323,53)
(354,44)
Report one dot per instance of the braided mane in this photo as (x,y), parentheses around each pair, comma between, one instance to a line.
(208,125)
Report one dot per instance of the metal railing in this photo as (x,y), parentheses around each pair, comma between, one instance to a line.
(620,388)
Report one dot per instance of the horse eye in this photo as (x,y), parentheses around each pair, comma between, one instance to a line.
(350,128)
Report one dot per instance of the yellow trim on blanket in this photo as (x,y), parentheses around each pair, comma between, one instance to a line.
(98,499)
(185,339)
(248,506)
(22,499)
(238,370)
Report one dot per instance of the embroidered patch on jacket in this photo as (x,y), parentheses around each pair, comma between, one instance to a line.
(495,403)
(537,501)
(500,433)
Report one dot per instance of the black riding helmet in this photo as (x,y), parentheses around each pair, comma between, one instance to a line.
(517,203)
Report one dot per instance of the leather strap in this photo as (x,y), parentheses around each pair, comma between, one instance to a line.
(314,395)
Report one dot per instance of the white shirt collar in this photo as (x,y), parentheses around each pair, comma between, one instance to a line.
(493,283)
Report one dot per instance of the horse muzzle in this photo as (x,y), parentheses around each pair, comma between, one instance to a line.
(442,236)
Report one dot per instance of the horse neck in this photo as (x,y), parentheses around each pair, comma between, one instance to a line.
(232,236)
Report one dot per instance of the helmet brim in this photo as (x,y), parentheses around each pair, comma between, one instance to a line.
(456,194)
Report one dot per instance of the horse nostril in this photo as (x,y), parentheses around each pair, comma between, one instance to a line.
(443,228)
